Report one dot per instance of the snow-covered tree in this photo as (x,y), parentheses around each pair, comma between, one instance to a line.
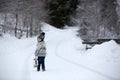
(97,19)
(26,15)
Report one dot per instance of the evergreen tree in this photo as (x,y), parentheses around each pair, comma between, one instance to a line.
(60,12)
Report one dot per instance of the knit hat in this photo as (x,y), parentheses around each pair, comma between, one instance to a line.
(42,35)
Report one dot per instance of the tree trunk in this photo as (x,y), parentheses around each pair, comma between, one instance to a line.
(16,24)
(31,27)
(5,19)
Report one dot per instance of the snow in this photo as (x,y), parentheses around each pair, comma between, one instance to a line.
(66,58)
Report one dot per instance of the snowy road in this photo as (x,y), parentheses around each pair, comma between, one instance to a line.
(80,66)
(66,58)
(60,67)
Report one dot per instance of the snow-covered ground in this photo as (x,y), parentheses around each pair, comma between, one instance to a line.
(66,58)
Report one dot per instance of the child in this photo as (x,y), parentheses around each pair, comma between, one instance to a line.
(40,53)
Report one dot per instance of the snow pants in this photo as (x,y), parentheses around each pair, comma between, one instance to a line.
(41,61)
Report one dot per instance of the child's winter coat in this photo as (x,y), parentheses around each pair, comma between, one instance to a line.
(41,49)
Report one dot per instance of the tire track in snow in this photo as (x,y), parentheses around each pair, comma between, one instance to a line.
(28,65)
(80,65)
(26,68)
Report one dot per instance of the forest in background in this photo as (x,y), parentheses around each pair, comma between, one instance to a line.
(95,18)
